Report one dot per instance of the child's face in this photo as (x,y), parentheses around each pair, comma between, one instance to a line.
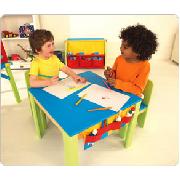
(127,51)
(47,50)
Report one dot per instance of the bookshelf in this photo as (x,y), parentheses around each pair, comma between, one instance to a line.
(12,23)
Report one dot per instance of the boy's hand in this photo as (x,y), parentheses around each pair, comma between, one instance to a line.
(54,80)
(79,79)
(111,81)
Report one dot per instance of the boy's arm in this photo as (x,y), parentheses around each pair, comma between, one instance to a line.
(68,71)
(34,82)
(72,74)
(137,86)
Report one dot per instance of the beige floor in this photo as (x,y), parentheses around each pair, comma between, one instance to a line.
(156,144)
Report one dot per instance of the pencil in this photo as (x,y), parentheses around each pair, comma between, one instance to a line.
(100,109)
(77,103)
(106,84)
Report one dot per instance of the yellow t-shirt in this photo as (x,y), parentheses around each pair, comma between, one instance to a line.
(44,68)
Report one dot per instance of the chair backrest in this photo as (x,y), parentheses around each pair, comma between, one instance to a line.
(28,86)
(27,79)
(147,92)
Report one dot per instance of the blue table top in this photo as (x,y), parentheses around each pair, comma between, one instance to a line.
(75,119)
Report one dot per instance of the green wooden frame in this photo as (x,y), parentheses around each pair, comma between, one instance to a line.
(12,82)
(39,116)
(126,132)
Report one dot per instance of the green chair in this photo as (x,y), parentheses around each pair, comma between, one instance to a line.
(145,103)
(10,77)
(38,115)
(125,132)
(5,64)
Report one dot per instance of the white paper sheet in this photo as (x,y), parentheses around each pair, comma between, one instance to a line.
(62,75)
(104,97)
(64,88)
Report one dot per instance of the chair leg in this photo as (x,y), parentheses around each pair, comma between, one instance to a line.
(141,119)
(131,127)
(30,103)
(12,82)
(43,119)
(40,119)
(70,150)
(36,117)
(123,131)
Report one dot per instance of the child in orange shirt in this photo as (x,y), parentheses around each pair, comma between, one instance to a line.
(131,69)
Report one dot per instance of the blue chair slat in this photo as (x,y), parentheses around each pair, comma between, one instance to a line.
(143,107)
(5,76)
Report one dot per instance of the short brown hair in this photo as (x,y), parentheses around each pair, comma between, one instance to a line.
(38,38)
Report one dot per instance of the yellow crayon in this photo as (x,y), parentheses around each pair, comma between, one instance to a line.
(77,103)
(75,88)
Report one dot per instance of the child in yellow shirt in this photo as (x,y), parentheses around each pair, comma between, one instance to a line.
(131,69)
(44,70)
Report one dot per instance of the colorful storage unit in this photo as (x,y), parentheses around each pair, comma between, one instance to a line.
(85,52)
(105,128)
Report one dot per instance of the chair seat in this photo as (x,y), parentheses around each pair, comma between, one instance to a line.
(143,107)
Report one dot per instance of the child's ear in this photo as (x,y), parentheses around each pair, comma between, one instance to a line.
(137,55)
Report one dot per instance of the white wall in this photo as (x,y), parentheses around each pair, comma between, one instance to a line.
(175,50)
(58,25)
(108,27)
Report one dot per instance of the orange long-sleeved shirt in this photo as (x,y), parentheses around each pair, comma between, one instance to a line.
(131,77)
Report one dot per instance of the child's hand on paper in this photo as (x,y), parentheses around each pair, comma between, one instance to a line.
(111,81)
(54,80)
(79,79)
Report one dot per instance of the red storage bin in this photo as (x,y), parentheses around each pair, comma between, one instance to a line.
(85,61)
(73,61)
(98,61)
(98,64)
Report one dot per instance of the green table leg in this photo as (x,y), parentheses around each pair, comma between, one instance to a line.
(70,150)
(12,82)
(131,127)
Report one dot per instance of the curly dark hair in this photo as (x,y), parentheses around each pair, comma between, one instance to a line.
(38,38)
(142,40)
